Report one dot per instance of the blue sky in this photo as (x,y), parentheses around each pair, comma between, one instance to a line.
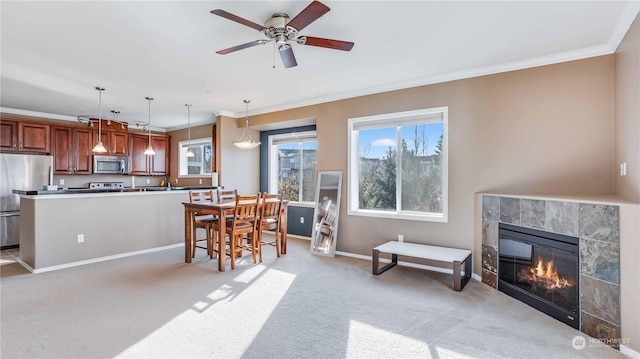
(374,143)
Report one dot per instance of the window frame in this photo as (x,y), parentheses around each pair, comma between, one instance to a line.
(182,164)
(272,173)
(389,120)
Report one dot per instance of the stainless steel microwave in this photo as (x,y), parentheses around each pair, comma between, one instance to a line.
(110,164)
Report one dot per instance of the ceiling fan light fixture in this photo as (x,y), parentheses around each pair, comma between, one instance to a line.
(245,142)
(99,147)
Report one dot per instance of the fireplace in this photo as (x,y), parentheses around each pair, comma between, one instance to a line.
(540,269)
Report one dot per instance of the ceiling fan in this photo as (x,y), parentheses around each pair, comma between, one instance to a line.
(282,30)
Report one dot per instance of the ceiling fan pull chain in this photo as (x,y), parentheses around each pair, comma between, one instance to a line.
(274,56)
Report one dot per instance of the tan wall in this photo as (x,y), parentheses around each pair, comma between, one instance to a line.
(627,113)
(238,169)
(627,149)
(546,130)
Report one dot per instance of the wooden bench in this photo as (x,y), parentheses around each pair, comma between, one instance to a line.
(456,257)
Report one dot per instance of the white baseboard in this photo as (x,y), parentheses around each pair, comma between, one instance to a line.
(95,260)
(629,352)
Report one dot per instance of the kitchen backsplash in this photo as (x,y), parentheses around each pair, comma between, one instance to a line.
(77,181)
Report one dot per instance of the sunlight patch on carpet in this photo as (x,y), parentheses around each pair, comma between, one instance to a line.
(367,341)
(246,306)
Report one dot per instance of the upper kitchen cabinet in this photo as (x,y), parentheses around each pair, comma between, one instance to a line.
(8,135)
(116,143)
(25,137)
(71,150)
(141,164)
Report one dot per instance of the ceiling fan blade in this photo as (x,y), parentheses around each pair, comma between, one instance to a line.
(238,19)
(286,53)
(310,14)
(240,47)
(328,43)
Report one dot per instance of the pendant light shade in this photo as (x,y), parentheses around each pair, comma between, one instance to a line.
(99,147)
(245,141)
(189,153)
(149,151)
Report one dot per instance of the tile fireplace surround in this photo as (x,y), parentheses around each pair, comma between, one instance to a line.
(598,228)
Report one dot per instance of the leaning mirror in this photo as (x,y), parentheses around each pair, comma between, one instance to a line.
(325,215)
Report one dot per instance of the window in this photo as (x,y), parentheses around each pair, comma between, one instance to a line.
(198,165)
(398,165)
(292,165)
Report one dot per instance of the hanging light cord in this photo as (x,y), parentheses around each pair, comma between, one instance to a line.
(189,124)
(149,100)
(246,119)
(100,89)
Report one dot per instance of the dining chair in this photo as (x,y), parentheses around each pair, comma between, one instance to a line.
(269,220)
(243,222)
(205,222)
(226,195)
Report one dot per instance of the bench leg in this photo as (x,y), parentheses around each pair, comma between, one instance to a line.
(376,256)
(458,281)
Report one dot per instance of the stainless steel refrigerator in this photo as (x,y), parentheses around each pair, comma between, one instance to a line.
(24,172)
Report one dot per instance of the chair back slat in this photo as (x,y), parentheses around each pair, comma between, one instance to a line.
(270,208)
(246,212)
(226,195)
(199,196)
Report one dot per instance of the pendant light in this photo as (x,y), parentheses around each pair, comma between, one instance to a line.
(189,153)
(99,147)
(245,142)
(149,151)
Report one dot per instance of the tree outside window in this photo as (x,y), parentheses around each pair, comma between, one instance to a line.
(398,165)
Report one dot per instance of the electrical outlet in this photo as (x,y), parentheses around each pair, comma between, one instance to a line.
(623,169)
(148,181)
(301,219)
(61,181)
(400,238)
(80,238)
(200,181)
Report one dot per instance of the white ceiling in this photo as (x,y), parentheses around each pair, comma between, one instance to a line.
(54,53)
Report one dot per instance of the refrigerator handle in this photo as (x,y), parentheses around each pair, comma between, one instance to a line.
(9,214)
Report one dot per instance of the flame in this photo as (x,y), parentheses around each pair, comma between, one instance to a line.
(547,274)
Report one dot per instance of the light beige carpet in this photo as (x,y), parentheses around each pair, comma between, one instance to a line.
(297,306)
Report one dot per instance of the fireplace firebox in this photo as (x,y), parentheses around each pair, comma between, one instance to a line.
(540,269)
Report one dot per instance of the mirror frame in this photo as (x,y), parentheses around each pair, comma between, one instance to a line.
(330,252)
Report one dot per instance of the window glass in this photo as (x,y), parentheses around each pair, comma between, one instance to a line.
(398,165)
(293,170)
(200,164)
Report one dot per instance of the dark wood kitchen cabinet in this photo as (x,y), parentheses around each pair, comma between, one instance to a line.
(25,137)
(141,164)
(71,150)
(8,135)
(116,143)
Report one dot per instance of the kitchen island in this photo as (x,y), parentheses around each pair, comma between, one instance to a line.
(59,230)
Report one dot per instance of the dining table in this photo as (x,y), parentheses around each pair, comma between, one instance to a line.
(221,210)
